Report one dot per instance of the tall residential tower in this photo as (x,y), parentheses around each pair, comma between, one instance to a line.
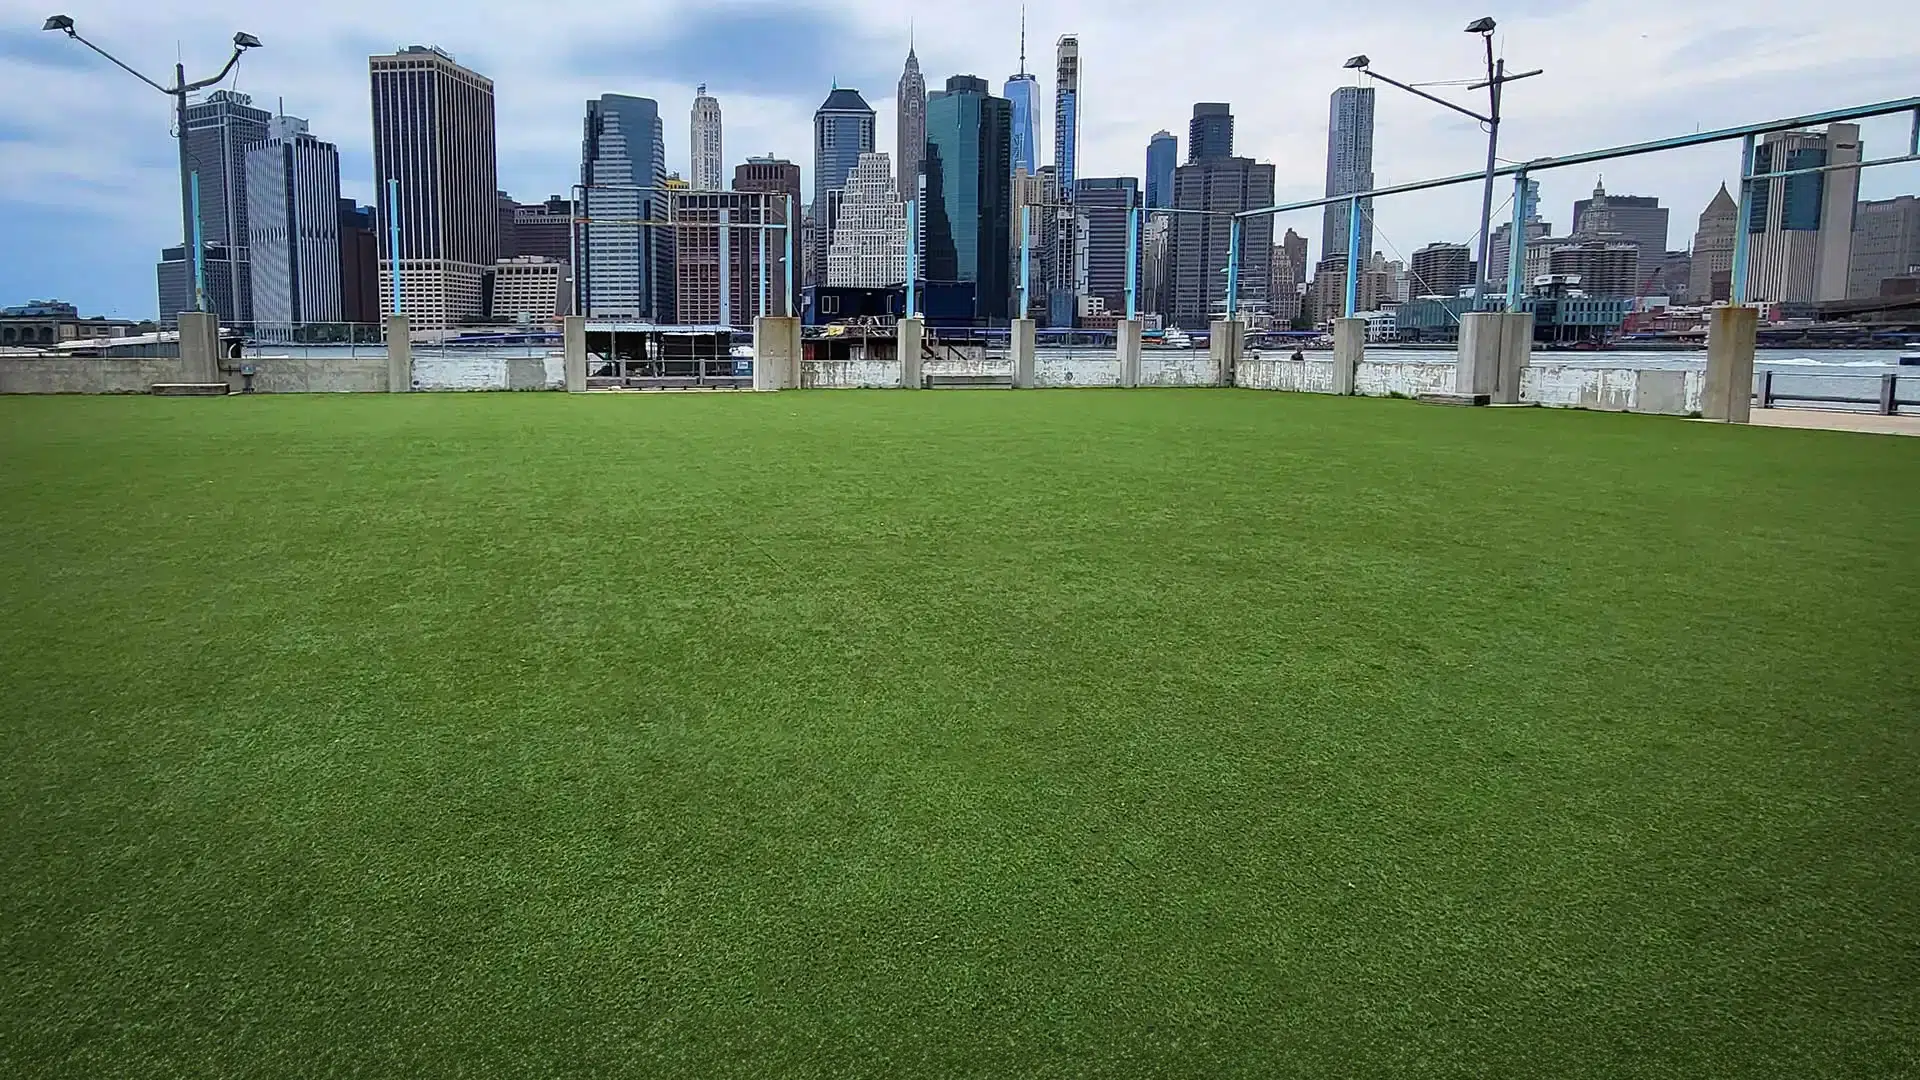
(707,171)
(1349,169)
(1066,154)
(1163,155)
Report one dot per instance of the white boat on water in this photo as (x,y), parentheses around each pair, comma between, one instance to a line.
(1173,338)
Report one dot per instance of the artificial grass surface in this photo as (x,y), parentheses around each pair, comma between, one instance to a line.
(1135,733)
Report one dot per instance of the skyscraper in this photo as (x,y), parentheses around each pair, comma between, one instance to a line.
(910,123)
(717,270)
(1802,226)
(1629,219)
(1886,243)
(970,191)
(359,264)
(626,268)
(1199,244)
(1023,90)
(707,171)
(1712,270)
(1061,227)
(1163,154)
(544,229)
(1210,132)
(1103,203)
(869,246)
(1349,168)
(842,131)
(293,228)
(1441,269)
(220,128)
(433,132)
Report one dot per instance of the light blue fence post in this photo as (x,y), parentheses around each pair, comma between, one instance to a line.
(793,225)
(393,239)
(1026,258)
(913,251)
(1233,268)
(1517,244)
(199,247)
(1741,243)
(1353,256)
(1133,262)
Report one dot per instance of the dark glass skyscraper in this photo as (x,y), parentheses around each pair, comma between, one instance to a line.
(842,131)
(1210,133)
(970,191)
(1104,201)
(1163,154)
(626,267)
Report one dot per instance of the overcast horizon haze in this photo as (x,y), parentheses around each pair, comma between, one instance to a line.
(88,169)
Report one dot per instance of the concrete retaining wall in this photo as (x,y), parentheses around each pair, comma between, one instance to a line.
(488,372)
(58,375)
(1673,393)
(299,375)
(850,374)
(1076,371)
(1196,371)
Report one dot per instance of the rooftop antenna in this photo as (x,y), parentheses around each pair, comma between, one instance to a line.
(1023,39)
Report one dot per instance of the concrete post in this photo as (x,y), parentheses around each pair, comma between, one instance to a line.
(1022,351)
(1476,368)
(1349,349)
(1516,352)
(199,347)
(1129,347)
(1731,332)
(399,355)
(907,335)
(776,352)
(1225,337)
(574,335)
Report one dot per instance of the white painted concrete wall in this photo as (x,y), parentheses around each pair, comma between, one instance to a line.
(850,374)
(1198,371)
(1306,376)
(971,365)
(489,373)
(1077,371)
(1406,378)
(1674,393)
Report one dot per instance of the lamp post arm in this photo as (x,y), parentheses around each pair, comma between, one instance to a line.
(1422,93)
(231,60)
(116,63)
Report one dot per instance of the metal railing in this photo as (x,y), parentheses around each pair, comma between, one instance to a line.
(1886,401)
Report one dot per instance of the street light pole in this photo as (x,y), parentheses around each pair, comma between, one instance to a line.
(1497,78)
(178,91)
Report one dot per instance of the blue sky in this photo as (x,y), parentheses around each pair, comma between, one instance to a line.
(88,189)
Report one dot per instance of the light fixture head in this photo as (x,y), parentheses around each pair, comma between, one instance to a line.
(1357,63)
(245,41)
(59,22)
(1481,26)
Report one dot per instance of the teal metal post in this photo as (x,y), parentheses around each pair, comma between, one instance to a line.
(1233,269)
(1517,244)
(913,251)
(1353,256)
(199,247)
(1026,257)
(393,239)
(726,271)
(1133,262)
(762,309)
(792,225)
(1741,241)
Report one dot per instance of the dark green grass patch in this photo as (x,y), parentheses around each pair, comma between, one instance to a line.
(1182,734)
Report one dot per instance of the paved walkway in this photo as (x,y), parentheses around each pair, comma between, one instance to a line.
(1834,420)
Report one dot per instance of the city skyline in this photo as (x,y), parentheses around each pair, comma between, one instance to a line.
(102,240)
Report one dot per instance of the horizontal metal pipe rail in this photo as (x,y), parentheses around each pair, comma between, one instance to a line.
(1888,402)
(1702,138)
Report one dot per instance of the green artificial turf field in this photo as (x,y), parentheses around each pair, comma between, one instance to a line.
(1124,734)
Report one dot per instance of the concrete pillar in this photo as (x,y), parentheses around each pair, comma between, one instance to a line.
(907,335)
(1477,366)
(199,347)
(574,335)
(1023,352)
(399,355)
(1349,348)
(1516,352)
(1225,337)
(1728,395)
(1129,347)
(776,352)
